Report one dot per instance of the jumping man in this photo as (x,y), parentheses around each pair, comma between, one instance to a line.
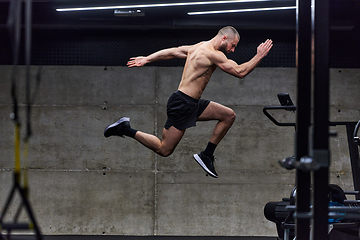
(185,106)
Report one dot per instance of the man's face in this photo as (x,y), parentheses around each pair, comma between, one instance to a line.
(228,45)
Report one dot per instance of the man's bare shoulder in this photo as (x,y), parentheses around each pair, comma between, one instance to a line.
(204,48)
(194,47)
(212,54)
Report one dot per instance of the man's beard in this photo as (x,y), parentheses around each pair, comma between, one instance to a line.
(222,48)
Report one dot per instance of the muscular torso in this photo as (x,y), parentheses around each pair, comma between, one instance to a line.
(197,71)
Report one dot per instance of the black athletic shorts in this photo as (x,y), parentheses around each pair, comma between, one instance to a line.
(183,110)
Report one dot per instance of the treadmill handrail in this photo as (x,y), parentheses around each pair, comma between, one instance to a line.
(356,129)
(290,108)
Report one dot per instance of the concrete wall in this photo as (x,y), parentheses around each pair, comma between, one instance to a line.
(83,183)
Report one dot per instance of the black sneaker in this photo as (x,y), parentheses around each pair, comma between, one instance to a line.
(207,163)
(116,128)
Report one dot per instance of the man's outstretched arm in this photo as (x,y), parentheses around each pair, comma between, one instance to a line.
(165,54)
(244,69)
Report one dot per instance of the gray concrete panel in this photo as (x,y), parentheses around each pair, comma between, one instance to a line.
(72,138)
(6,138)
(90,202)
(217,206)
(344,88)
(258,88)
(82,85)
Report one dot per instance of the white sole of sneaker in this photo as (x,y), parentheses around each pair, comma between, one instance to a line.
(123,119)
(202,164)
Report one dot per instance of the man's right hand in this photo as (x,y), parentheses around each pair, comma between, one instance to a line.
(264,48)
(136,62)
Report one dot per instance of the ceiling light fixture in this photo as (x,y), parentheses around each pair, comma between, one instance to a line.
(242,10)
(128,13)
(156,5)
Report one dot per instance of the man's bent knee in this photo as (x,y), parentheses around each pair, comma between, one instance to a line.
(231,117)
(165,153)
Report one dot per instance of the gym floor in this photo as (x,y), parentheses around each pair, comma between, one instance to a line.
(118,237)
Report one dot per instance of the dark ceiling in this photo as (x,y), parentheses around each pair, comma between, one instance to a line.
(101,38)
(343,15)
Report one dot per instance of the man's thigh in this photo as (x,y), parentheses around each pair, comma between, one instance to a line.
(215,111)
(171,137)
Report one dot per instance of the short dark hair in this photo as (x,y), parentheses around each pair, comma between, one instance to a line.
(229,31)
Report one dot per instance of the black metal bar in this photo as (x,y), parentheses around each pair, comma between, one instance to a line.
(28,36)
(265,111)
(351,192)
(348,216)
(29,211)
(15,226)
(303,117)
(354,157)
(342,124)
(14,27)
(8,203)
(345,209)
(321,118)
(24,203)
(352,202)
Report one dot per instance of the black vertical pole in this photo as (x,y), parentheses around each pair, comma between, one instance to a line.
(321,118)
(28,36)
(354,157)
(303,118)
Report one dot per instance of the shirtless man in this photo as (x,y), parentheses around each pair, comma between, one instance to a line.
(185,106)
